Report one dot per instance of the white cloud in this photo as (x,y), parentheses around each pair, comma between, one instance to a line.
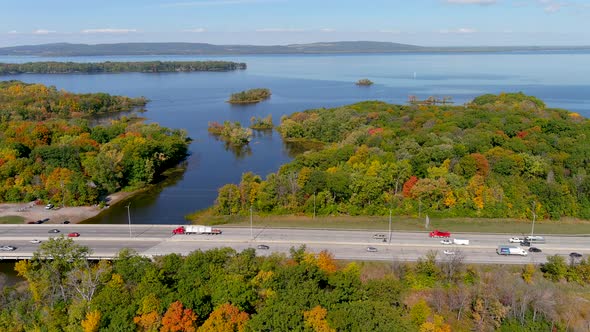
(43,32)
(460,30)
(471,2)
(195,30)
(279,30)
(109,30)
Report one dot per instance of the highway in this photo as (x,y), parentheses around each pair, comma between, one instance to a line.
(153,240)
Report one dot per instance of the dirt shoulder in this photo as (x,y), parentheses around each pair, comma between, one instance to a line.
(57,215)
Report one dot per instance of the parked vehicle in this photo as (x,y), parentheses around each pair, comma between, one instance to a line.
(515,239)
(534,249)
(371,249)
(437,233)
(196,229)
(74,234)
(446,241)
(535,239)
(66,222)
(263,247)
(48,206)
(448,252)
(575,255)
(511,250)
(462,242)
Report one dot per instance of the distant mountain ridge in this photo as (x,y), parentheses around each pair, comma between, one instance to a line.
(67,49)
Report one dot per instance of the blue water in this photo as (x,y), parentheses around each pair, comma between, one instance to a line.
(300,82)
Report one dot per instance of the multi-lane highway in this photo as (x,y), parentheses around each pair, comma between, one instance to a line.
(152,240)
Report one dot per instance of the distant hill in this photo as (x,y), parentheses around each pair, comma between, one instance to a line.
(66,49)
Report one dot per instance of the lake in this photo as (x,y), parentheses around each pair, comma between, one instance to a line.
(300,82)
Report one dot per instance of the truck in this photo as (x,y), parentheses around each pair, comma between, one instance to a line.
(196,229)
(535,239)
(461,242)
(511,250)
(437,233)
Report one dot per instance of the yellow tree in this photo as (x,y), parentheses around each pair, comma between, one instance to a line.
(226,318)
(57,182)
(326,262)
(148,318)
(315,319)
(92,321)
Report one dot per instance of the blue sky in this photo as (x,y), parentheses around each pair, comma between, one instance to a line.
(271,22)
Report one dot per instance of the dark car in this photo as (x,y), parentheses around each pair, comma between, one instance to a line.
(263,246)
(53,230)
(534,249)
(66,222)
(525,243)
(575,255)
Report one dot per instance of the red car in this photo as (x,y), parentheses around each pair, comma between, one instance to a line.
(74,234)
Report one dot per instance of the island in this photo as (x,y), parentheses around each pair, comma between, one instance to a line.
(49,152)
(52,67)
(499,156)
(231,132)
(364,82)
(251,96)
(258,123)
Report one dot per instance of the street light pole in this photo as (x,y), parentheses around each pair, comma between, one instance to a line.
(314,205)
(251,231)
(534,217)
(129,218)
(389,226)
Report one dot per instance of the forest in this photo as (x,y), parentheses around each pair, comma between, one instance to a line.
(224,290)
(52,67)
(497,157)
(49,151)
(251,96)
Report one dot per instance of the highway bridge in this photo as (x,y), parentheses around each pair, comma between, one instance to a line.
(155,240)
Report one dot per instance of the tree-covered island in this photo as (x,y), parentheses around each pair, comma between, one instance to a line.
(251,96)
(364,82)
(52,67)
(231,132)
(499,157)
(49,151)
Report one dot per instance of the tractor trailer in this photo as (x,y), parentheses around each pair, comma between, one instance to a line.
(196,229)
(511,250)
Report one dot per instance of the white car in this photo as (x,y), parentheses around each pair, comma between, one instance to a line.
(515,240)
(448,252)
(35,241)
(446,241)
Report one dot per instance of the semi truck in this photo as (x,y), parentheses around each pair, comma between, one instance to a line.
(511,250)
(437,233)
(196,229)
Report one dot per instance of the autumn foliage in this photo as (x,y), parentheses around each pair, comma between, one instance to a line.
(226,318)
(178,319)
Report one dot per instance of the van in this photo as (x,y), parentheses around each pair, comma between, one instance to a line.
(461,242)
(535,239)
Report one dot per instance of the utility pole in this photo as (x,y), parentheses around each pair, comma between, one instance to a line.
(129,218)
(389,226)
(251,231)
(314,205)
(534,217)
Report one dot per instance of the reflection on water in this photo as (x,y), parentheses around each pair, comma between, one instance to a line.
(298,147)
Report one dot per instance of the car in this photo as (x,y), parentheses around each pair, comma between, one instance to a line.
(515,240)
(448,252)
(7,248)
(73,234)
(53,230)
(263,247)
(31,222)
(534,249)
(48,206)
(446,241)
(379,236)
(66,222)
(525,243)
(575,255)
(45,220)
(39,221)
(371,249)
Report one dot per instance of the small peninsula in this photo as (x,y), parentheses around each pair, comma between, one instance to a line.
(364,82)
(251,96)
(53,67)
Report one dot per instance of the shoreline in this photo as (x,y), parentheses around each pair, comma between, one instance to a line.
(74,214)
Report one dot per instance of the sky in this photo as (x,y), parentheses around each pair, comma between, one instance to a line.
(281,22)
